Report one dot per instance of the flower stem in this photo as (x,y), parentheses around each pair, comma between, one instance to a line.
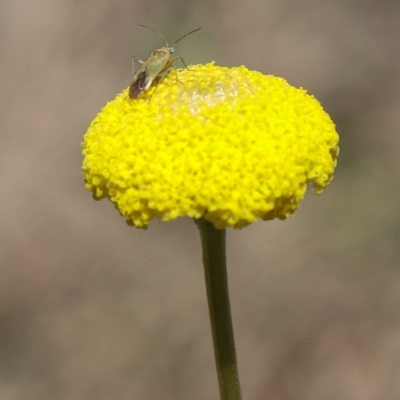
(214,259)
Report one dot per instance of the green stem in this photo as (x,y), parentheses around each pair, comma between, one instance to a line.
(214,259)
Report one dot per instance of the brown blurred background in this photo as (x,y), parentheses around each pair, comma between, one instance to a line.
(91,309)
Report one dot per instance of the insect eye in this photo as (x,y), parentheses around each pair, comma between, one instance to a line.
(171,49)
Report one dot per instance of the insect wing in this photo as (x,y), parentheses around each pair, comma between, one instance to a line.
(142,80)
(139,84)
(156,63)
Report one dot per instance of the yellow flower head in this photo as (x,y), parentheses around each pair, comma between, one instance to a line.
(227,144)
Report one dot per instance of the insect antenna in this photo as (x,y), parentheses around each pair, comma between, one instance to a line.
(186,34)
(158,33)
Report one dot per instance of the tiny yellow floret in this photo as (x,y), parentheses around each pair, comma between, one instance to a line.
(227,144)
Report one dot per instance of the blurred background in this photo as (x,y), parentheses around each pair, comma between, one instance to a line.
(93,309)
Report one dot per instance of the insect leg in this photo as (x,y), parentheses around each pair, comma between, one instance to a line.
(133,64)
(175,59)
(158,82)
(166,68)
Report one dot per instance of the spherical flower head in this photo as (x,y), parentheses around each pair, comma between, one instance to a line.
(227,144)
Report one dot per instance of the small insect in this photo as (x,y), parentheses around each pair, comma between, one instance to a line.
(158,62)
